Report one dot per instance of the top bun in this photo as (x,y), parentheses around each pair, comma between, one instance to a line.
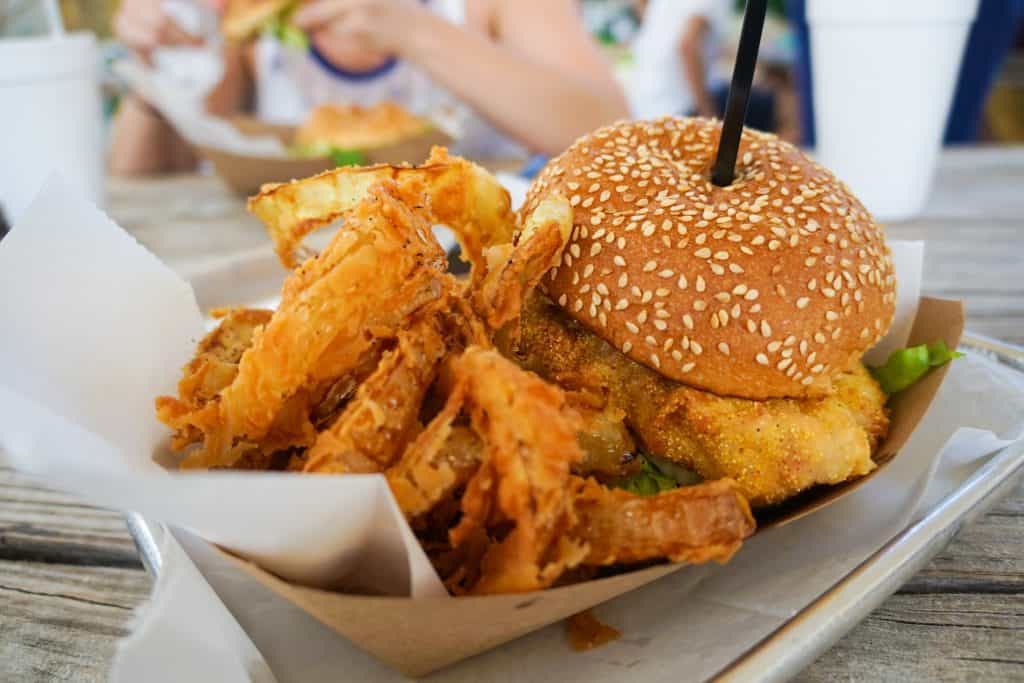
(766,288)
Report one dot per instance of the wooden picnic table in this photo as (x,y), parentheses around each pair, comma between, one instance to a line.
(70,577)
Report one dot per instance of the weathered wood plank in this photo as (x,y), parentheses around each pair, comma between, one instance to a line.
(947,637)
(62,623)
(40,525)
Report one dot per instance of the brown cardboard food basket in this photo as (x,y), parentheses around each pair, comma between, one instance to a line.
(418,637)
(245,174)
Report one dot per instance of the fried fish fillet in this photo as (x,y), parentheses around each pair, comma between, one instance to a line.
(773,449)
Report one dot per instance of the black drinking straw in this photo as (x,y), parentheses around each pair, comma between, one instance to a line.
(739,92)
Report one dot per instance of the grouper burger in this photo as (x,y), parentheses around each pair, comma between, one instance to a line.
(719,329)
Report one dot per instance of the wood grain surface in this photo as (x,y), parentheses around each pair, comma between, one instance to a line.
(70,577)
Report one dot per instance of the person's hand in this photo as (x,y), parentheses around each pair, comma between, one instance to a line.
(143,26)
(382,26)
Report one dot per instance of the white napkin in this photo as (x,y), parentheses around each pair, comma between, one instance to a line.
(181,101)
(102,328)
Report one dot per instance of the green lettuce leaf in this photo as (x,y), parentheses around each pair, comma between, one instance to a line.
(347,157)
(906,366)
(286,33)
(340,157)
(650,480)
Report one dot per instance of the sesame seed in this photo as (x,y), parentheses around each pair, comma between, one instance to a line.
(703,253)
(700,284)
(831,316)
(647,296)
(562,300)
(595,248)
(774,346)
(588,270)
(784,363)
(761,358)
(751,326)
(578,305)
(699,305)
(723,347)
(641,317)
(677,355)
(739,289)
(650,266)
(687,367)
(627,347)
(681,283)
(667,273)
(820,338)
(766,329)
(601,288)
(723,297)
(688,321)
(632,328)
(696,348)
(802,302)
(751,295)
(806,380)
(660,324)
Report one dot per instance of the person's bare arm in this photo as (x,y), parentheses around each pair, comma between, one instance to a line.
(144,143)
(541,80)
(691,51)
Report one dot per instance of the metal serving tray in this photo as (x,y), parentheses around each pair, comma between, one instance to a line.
(821,624)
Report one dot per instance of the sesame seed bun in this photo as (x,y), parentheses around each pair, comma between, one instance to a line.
(763,289)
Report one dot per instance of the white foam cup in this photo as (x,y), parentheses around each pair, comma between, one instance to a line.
(50,117)
(884,73)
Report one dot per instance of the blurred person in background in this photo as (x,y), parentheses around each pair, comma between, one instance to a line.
(526,69)
(674,53)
